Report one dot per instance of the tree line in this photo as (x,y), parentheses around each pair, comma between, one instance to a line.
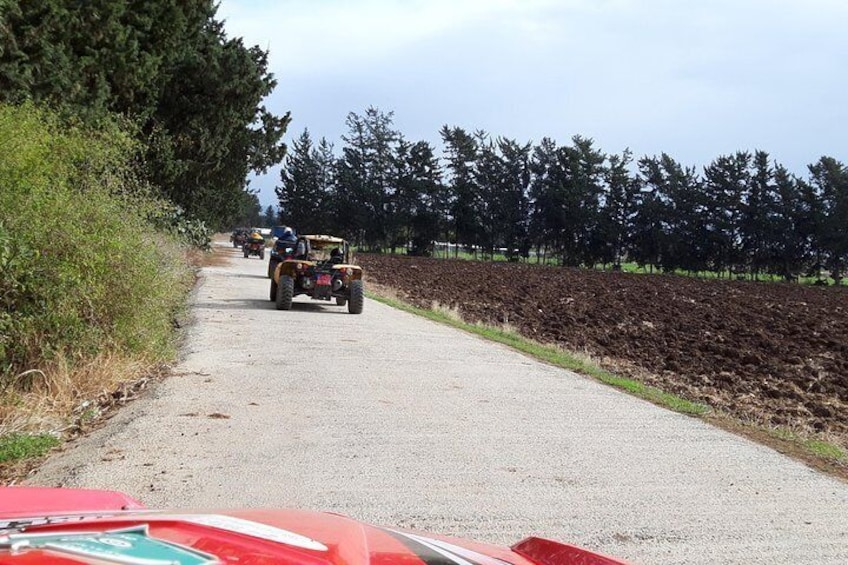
(573,203)
(164,70)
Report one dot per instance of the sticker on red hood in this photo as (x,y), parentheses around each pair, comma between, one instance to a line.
(249,528)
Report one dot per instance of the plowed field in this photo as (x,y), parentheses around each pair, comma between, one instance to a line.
(775,354)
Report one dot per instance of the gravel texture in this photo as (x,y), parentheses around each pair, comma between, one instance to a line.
(396,420)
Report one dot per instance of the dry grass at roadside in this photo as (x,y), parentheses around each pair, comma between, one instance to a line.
(215,257)
(44,399)
(60,402)
(452,313)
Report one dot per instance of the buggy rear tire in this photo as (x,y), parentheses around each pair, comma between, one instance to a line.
(246,253)
(357,297)
(273,291)
(262,254)
(285,292)
(341,301)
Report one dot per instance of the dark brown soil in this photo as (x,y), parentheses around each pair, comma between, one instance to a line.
(768,353)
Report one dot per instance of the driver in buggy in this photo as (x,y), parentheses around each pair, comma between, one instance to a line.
(285,246)
(336,256)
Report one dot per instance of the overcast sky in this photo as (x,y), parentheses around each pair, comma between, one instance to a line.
(693,79)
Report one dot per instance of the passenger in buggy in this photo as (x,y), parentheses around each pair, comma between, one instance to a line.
(301,250)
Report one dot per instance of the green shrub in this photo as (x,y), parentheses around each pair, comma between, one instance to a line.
(82,269)
(21,446)
(172,219)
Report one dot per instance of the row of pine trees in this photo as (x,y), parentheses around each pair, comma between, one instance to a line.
(573,203)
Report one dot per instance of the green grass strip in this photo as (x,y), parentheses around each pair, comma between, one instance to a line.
(554,356)
(820,448)
(15,447)
(826,450)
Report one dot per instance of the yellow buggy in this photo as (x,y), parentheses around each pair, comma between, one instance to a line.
(321,269)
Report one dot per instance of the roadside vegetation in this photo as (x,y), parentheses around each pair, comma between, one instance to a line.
(127,132)
(15,447)
(89,285)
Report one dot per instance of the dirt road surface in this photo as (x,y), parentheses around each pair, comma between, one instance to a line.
(399,421)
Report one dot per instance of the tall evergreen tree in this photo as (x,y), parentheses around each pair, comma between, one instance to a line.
(417,203)
(325,164)
(403,197)
(566,191)
(651,228)
(511,198)
(829,178)
(214,128)
(249,211)
(461,149)
(686,223)
(547,206)
(365,176)
(270,217)
(488,174)
(618,210)
(726,181)
(758,212)
(302,195)
(789,236)
(582,173)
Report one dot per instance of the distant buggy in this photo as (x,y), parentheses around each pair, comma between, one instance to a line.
(254,245)
(320,269)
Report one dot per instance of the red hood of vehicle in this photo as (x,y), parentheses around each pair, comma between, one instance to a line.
(248,537)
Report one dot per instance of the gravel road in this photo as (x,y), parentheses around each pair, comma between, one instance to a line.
(393,419)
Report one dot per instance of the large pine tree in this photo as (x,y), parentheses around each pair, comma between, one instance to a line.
(306,194)
(461,150)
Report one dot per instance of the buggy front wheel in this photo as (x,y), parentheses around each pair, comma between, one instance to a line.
(285,293)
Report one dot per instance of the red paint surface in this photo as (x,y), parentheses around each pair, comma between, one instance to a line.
(348,542)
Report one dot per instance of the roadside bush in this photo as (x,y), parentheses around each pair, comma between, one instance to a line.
(83,271)
(172,219)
